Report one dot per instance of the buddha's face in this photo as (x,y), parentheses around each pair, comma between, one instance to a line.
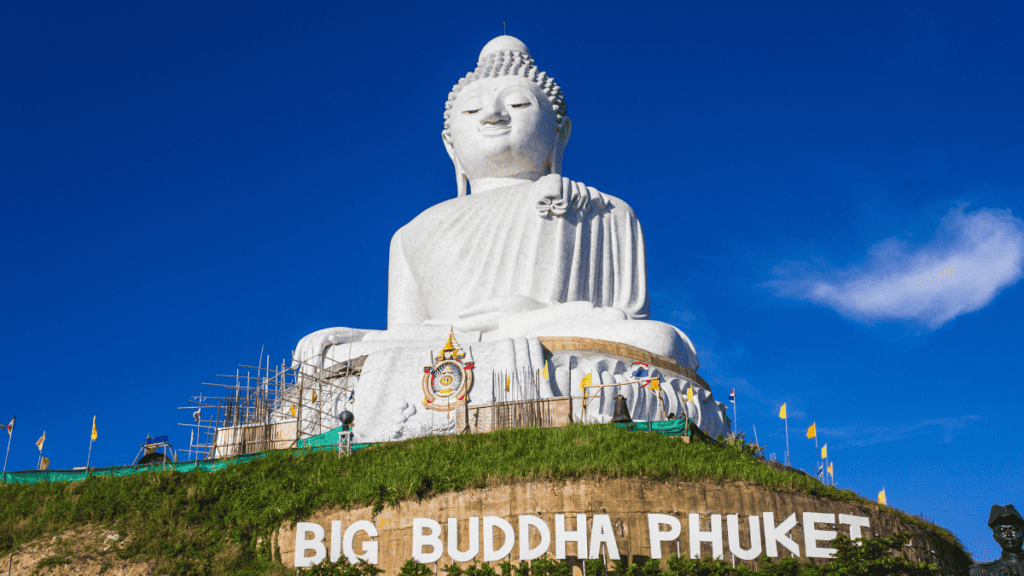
(503,127)
(1009,536)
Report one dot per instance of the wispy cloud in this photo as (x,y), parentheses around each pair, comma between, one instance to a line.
(972,257)
(859,435)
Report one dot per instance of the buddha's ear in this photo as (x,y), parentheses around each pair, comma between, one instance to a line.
(564,129)
(460,176)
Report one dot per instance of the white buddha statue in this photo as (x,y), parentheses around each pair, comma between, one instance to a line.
(526,252)
(533,273)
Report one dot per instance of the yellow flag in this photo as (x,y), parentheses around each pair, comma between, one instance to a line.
(314,396)
(507,383)
(782,412)
(44,463)
(42,439)
(812,431)
(824,452)
(830,469)
(881,498)
(587,381)
(94,435)
(293,409)
(655,384)
(544,372)
(689,394)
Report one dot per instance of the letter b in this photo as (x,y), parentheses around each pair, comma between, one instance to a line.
(419,540)
(302,545)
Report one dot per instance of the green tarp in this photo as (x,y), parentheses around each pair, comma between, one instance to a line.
(666,427)
(325,441)
(329,438)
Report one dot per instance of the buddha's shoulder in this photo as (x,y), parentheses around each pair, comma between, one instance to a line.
(441,210)
(431,215)
(609,202)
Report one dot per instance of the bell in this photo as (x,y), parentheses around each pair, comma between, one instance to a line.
(621,410)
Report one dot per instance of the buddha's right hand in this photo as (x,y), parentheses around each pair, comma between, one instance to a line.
(308,352)
(548,193)
(557,195)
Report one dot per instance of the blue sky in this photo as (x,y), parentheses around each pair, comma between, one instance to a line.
(831,195)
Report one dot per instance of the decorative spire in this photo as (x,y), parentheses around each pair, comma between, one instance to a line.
(449,346)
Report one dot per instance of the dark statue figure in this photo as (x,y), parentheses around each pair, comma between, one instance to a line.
(1008,530)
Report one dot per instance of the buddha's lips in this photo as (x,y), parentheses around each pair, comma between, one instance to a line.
(495,130)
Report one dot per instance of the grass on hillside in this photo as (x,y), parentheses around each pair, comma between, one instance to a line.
(219,523)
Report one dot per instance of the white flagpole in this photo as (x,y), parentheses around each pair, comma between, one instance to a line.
(786,420)
(88,458)
(735,416)
(10,434)
(817,450)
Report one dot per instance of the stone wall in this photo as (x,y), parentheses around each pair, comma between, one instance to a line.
(626,501)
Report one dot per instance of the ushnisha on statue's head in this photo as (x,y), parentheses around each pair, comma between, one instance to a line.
(505,119)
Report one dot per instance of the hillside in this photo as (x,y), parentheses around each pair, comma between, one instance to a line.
(221,523)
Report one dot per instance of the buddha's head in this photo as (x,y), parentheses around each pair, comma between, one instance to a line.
(506,118)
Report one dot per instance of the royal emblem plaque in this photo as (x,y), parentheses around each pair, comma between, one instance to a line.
(447,381)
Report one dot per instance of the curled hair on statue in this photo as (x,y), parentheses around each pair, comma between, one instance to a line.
(509,63)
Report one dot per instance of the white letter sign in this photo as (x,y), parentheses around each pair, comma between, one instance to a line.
(369,548)
(302,545)
(490,523)
(778,535)
(714,536)
(654,522)
(525,553)
(733,522)
(856,523)
(474,539)
(812,535)
(419,540)
(579,536)
(601,533)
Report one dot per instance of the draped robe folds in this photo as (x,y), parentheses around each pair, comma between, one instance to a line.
(468,250)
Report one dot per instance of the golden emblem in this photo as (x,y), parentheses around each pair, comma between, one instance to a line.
(446,382)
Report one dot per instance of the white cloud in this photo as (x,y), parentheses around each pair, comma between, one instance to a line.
(859,435)
(972,257)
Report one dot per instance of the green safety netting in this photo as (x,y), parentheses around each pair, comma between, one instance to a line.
(315,443)
(326,441)
(666,427)
(329,438)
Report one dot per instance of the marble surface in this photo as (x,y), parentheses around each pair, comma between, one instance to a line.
(388,396)
(520,252)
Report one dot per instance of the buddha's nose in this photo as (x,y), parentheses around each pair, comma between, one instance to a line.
(495,115)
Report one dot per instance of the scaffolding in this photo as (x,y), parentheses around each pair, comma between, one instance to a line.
(268,407)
